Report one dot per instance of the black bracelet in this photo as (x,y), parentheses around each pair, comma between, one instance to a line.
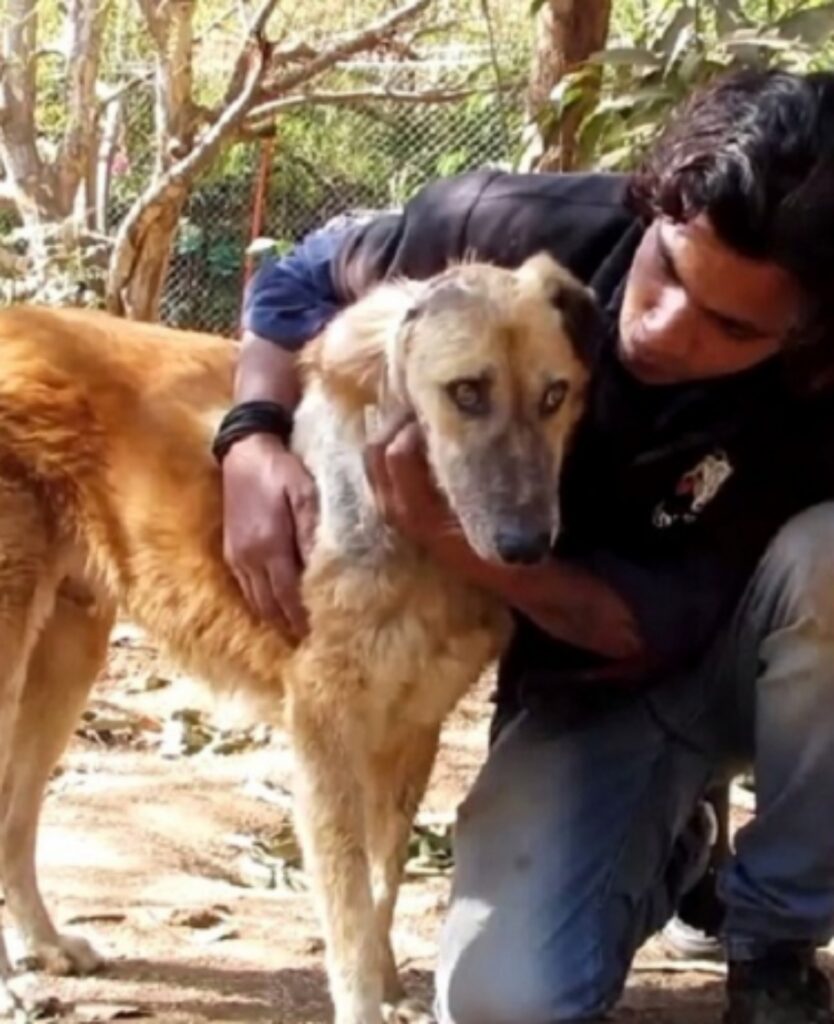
(251,418)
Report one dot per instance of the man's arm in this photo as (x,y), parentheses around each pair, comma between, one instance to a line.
(265,372)
(566,601)
(269,499)
(290,301)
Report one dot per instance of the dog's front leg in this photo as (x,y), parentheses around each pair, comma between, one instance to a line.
(398,780)
(330,821)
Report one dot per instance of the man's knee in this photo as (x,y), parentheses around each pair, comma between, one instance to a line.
(499,999)
(495,979)
(798,569)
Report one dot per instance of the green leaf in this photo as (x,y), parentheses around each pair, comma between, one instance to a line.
(536,6)
(624,102)
(685,42)
(628,56)
(189,238)
(567,91)
(616,159)
(261,247)
(810,26)
(450,163)
(729,16)
(750,39)
(682,19)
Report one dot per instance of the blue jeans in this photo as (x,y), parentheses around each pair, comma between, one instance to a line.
(571,848)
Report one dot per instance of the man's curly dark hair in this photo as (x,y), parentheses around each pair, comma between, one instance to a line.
(755,153)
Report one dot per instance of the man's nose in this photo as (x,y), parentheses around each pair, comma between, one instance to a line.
(668,324)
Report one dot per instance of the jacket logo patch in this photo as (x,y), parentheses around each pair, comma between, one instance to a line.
(694,491)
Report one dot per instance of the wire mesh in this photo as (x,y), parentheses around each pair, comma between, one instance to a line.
(326,160)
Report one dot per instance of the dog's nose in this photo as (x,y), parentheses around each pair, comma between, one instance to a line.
(521,547)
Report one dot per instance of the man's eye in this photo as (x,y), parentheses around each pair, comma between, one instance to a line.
(553,397)
(738,332)
(470,395)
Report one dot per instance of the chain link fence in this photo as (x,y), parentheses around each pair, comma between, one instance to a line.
(324,160)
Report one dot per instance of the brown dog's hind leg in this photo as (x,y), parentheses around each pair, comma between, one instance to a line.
(397,784)
(69,654)
(28,567)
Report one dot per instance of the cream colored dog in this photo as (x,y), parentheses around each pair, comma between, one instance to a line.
(109,498)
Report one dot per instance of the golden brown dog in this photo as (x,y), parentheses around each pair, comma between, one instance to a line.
(109,498)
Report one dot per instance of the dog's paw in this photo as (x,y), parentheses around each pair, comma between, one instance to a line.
(408,1011)
(11,1004)
(69,954)
(21,1001)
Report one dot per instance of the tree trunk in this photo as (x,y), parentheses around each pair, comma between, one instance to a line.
(28,180)
(142,254)
(567,33)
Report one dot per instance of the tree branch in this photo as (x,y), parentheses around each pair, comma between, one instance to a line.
(171,27)
(18,149)
(86,19)
(156,18)
(356,96)
(171,187)
(118,91)
(356,42)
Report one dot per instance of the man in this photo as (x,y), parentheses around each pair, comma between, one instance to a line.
(685,623)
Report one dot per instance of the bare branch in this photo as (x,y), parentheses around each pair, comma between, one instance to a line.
(156,18)
(117,92)
(257,26)
(12,265)
(170,189)
(86,19)
(356,42)
(18,149)
(291,54)
(19,45)
(174,93)
(216,23)
(255,31)
(357,96)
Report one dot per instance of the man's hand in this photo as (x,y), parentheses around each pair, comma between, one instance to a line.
(564,600)
(270,511)
(403,488)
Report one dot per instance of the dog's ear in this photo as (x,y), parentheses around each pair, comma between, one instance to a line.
(582,319)
(433,298)
(444,294)
(362,351)
(577,304)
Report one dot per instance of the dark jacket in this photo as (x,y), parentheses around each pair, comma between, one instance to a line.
(671,493)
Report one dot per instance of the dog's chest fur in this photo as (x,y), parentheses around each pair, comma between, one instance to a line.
(408,634)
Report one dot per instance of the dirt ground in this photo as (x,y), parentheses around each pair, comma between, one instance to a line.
(176,862)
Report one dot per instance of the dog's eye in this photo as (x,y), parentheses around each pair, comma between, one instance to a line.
(553,397)
(470,395)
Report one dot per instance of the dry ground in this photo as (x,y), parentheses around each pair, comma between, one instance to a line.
(171,866)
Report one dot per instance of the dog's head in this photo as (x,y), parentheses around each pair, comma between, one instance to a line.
(492,363)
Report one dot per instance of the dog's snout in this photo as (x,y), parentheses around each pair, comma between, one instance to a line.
(522,547)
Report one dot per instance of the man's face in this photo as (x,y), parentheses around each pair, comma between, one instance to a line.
(694,308)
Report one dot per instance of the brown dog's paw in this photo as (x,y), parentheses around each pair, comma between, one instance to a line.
(408,1011)
(69,954)
(21,1001)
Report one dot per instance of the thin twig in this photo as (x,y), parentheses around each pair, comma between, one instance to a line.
(493,54)
(351,97)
